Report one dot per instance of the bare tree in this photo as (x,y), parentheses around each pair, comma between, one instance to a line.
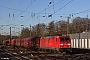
(25,33)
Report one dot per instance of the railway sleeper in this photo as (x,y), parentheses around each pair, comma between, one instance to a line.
(52,51)
(3,47)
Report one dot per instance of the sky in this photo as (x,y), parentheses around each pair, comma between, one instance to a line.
(14,13)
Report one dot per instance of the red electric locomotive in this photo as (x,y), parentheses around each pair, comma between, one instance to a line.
(56,43)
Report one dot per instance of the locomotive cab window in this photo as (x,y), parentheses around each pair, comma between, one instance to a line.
(64,39)
(67,39)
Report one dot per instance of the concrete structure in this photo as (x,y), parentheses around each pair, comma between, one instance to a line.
(80,40)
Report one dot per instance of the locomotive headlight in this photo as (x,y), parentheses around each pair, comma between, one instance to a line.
(61,44)
(69,44)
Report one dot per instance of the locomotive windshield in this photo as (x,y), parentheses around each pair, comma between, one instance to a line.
(64,39)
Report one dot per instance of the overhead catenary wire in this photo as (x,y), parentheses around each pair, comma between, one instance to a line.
(9,14)
(81,12)
(53,6)
(49,7)
(39,12)
(60,8)
(26,8)
(55,11)
(14,9)
(43,10)
(31,12)
(18,7)
(63,6)
(47,13)
(19,10)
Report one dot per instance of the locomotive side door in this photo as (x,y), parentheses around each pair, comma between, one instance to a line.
(57,42)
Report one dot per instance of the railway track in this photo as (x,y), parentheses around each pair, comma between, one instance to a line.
(24,54)
(32,55)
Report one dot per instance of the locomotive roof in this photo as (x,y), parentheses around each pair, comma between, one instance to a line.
(48,36)
(54,36)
